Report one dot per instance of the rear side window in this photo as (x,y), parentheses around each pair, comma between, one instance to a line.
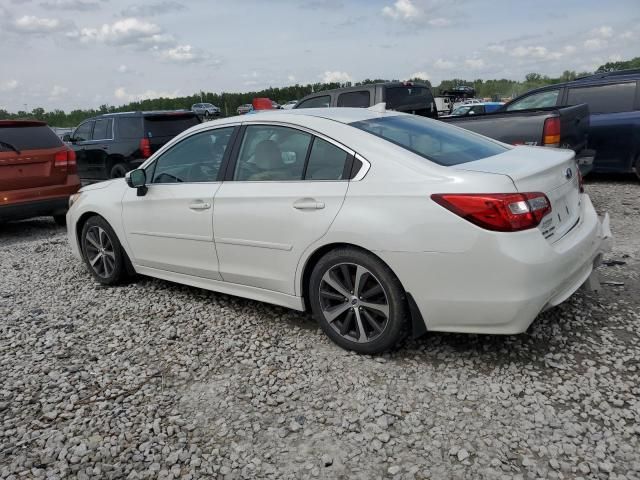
(28,138)
(408,97)
(168,125)
(536,100)
(316,102)
(354,99)
(326,161)
(102,129)
(436,141)
(129,127)
(618,97)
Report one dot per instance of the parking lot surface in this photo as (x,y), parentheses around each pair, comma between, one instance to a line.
(158,380)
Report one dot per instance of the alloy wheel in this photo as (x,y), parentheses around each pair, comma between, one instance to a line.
(354,302)
(99,250)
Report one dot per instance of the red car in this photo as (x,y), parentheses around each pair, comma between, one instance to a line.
(37,172)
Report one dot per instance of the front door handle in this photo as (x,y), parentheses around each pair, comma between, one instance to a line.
(199,206)
(308,204)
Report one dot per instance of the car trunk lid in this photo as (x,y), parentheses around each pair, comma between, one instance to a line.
(536,169)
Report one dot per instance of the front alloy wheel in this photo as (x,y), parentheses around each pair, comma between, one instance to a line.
(100,253)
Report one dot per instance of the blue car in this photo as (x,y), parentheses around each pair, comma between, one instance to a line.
(478,108)
(614,102)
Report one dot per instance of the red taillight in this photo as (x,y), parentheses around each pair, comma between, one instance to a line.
(551,132)
(66,159)
(145,148)
(500,212)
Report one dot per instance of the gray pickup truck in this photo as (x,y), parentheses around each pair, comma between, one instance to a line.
(561,127)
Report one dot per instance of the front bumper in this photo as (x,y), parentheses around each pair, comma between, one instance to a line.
(501,284)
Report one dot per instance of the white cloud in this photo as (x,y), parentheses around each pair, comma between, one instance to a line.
(474,63)
(151,9)
(123,32)
(529,51)
(123,69)
(422,75)
(402,10)
(337,77)
(57,90)
(85,5)
(291,78)
(9,85)
(182,54)
(439,22)
(33,24)
(496,48)
(628,35)
(569,49)
(441,64)
(122,95)
(594,43)
(604,32)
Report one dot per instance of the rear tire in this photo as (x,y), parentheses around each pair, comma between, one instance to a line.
(60,220)
(358,301)
(119,170)
(102,252)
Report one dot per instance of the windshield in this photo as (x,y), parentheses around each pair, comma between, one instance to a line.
(461,110)
(436,141)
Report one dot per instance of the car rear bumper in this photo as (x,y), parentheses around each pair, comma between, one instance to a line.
(500,286)
(585,159)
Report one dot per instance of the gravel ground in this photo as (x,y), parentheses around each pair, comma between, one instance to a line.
(157,380)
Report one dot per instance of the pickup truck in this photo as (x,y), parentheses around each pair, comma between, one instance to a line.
(560,127)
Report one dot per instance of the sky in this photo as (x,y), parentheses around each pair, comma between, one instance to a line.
(70,54)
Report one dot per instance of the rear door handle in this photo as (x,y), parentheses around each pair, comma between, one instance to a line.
(199,206)
(308,204)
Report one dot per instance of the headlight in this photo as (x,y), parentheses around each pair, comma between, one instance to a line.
(73,198)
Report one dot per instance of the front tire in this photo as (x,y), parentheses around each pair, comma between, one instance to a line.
(119,170)
(102,252)
(358,301)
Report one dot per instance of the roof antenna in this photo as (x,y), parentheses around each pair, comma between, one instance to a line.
(378,108)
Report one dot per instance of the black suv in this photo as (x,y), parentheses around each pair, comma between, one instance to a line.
(408,97)
(614,102)
(110,145)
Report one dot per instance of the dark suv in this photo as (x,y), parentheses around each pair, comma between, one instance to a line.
(110,145)
(614,102)
(408,97)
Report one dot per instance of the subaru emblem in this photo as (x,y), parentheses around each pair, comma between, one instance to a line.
(568,174)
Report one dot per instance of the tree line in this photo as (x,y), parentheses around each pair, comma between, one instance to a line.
(228,102)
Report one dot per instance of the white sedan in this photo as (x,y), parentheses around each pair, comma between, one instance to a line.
(383,224)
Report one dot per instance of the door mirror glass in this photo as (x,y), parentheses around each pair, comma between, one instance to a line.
(66,137)
(136,178)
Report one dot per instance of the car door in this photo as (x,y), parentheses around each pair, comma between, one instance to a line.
(285,187)
(79,140)
(170,228)
(97,150)
(611,131)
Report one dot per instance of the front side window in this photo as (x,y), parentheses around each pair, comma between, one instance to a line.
(195,159)
(272,153)
(436,141)
(354,99)
(83,132)
(102,129)
(326,161)
(613,98)
(545,99)
(316,102)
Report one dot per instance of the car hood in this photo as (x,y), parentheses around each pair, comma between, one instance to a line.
(100,185)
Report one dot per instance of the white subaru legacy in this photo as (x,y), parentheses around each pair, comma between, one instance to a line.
(382,224)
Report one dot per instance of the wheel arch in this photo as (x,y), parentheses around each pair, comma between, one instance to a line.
(417,323)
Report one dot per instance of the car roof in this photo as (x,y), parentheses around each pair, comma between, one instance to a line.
(338,114)
(22,123)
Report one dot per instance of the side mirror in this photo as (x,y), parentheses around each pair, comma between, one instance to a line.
(67,137)
(137,179)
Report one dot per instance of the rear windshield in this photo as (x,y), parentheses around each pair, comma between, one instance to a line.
(408,97)
(168,125)
(28,138)
(436,141)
